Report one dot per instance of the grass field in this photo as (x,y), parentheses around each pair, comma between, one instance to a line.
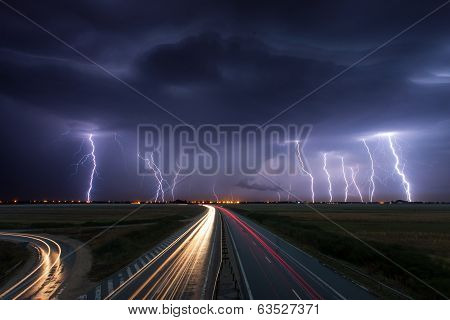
(65,216)
(116,247)
(417,237)
(12,255)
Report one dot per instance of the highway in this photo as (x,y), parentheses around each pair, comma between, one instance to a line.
(44,277)
(186,266)
(185,269)
(271,268)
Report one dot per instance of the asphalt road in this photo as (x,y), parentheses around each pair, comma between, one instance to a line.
(44,277)
(186,269)
(271,268)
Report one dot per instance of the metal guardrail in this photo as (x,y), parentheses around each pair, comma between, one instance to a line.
(230,263)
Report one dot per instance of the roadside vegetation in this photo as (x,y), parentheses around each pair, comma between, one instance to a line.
(118,247)
(416,237)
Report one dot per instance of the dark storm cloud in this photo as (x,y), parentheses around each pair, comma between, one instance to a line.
(215,62)
(251,184)
(191,61)
(231,73)
(245,63)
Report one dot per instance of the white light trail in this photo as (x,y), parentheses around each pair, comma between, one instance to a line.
(354,174)
(345,179)
(399,171)
(150,162)
(279,196)
(330,187)
(303,169)
(372,172)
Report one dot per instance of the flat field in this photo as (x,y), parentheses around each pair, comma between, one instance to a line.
(87,215)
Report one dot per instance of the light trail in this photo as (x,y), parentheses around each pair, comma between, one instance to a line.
(276,256)
(372,172)
(178,267)
(279,196)
(174,182)
(303,169)
(400,172)
(354,174)
(43,280)
(175,273)
(150,162)
(330,187)
(345,179)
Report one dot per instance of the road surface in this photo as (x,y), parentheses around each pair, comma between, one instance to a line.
(271,268)
(44,277)
(185,269)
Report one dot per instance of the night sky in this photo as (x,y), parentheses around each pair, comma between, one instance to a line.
(213,62)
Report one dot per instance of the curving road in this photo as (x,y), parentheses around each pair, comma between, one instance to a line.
(44,278)
(271,268)
(186,269)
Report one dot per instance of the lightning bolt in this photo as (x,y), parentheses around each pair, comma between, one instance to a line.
(330,187)
(174,182)
(372,172)
(83,160)
(150,162)
(279,196)
(303,169)
(214,192)
(80,162)
(79,150)
(399,171)
(354,174)
(345,179)
(94,167)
